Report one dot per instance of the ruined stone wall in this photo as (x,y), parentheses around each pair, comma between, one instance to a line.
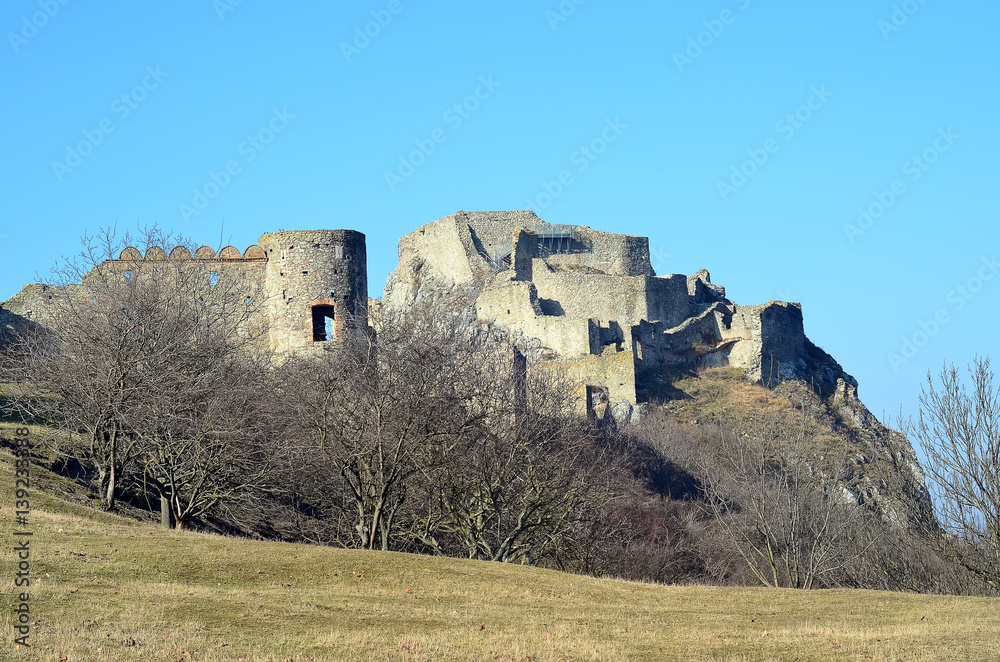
(285,276)
(523,253)
(35,304)
(605,253)
(514,305)
(578,294)
(493,230)
(44,304)
(667,299)
(770,340)
(433,259)
(624,299)
(612,372)
(310,268)
(441,245)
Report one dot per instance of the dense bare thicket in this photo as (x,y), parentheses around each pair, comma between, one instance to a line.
(959,432)
(366,419)
(791,528)
(203,427)
(732,503)
(150,376)
(427,439)
(526,481)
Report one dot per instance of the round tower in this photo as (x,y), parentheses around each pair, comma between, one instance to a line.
(317,286)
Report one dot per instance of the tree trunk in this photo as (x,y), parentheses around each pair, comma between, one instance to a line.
(166,515)
(108,487)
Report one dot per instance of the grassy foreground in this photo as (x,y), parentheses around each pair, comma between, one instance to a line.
(105,588)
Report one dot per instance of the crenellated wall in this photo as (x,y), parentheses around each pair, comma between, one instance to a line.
(292,275)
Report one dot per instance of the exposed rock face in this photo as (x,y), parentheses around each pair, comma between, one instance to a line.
(881,466)
(592,302)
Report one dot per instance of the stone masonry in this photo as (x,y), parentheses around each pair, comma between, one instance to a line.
(588,301)
(315,283)
(604,321)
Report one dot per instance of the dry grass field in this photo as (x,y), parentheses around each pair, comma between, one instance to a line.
(106,588)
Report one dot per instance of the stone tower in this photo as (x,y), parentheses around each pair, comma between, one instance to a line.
(317,286)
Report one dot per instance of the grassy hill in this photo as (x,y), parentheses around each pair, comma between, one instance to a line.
(107,588)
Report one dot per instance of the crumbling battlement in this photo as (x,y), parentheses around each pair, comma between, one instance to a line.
(592,303)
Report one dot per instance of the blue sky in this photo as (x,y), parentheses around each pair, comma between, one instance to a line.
(742,137)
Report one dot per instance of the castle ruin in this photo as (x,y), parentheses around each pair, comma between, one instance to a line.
(603,319)
(314,282)
(590,301)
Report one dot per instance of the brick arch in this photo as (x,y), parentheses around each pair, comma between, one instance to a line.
(155,253)
(130,253)
(254,252)
(230,253)
(180,253)
(205,253)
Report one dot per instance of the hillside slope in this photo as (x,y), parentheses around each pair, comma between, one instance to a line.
(105,588)
(841,441)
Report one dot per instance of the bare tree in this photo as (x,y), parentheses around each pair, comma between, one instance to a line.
(959,433)
(427,435)
(83,373)
(378,414)
(120,329)
(204,434)
(789,528)
(532,474)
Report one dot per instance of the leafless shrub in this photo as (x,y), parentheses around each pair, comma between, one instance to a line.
(144,369)
(959,432)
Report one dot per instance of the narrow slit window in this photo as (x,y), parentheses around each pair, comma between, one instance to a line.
(213,278)
(128,276)
(322,321)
